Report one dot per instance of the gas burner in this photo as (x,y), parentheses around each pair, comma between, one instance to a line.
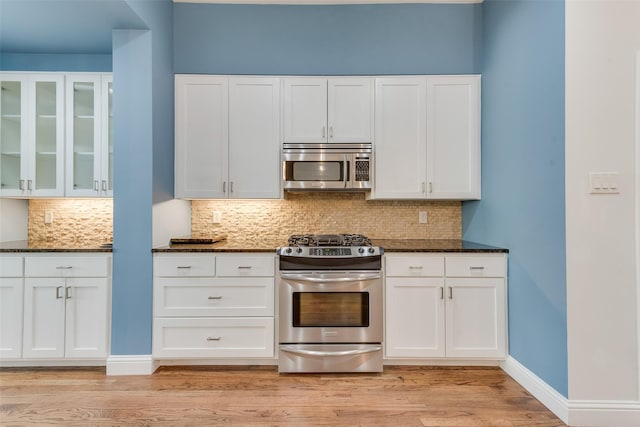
(329,240)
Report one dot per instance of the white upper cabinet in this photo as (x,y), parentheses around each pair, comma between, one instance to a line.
(254,138)
(401,132)
(202,134)
(89,137)
(31,135)
(453,137)
(227,137)
(333,110)
(427,143)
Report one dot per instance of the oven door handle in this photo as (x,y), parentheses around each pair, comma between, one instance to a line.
(325,279)
(330,353)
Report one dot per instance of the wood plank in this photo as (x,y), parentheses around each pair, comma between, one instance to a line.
(259,396)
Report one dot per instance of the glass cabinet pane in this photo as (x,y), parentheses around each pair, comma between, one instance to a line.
(10,134)
(45,136)
(83,135)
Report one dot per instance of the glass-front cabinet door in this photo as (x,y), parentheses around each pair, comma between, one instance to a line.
(31,135)
(88,136)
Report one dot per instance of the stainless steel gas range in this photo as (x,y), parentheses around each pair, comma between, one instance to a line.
(330,304)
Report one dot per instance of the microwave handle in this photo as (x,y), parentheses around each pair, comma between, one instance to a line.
(345,170)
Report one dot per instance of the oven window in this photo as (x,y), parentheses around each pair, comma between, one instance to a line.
(333,309)
(314,171)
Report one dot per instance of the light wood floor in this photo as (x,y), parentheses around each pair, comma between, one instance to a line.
(258,396)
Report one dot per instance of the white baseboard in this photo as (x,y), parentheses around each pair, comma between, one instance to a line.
(557,403)
(600,413)
(130,365)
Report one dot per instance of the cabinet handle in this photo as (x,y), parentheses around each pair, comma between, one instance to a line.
(67,292)
(423,189)
(231,187)
(224,186)
(96,185)
(104,185)
(476,268)
(64,267)
(450,292)
(22,184)
(430,187)
(244,267)
(58,294)
(441,292)
(214,338)
(214,297)
(30,185)
(324,131)
(183,267)
(330,131)
(415,267)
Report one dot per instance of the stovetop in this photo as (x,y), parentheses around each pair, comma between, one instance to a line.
(329,240)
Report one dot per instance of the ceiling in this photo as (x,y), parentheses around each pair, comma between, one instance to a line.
(63,26)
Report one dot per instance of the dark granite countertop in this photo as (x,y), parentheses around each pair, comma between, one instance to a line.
(25,246)
(435,245)
(389,245)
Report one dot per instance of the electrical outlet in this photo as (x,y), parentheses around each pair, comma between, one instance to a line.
(422,217)
(217,217)
(48,216)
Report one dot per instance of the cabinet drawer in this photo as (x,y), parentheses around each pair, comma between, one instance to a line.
(11,266)
(191,265)
(213,297)
(250,265)
(415,265)
(66,266)
(217,337)
(476,266)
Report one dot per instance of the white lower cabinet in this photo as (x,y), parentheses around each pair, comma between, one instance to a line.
(57,308)
(445,306)
(66,301)
(213,306)
(11,293)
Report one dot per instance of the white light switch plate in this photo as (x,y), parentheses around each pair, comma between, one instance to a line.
(603,183)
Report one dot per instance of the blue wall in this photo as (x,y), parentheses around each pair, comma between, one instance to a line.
(523,199)
(346,39)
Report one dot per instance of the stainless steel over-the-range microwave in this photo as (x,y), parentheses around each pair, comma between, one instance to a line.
(346,167)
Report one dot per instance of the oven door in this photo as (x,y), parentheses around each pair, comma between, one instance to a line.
(330,307)
(315,171)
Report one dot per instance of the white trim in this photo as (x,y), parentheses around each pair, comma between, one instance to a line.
(637,197)
(547,395)
(604,413)
(39,363)
(440,362)
(216,362)
(130,365)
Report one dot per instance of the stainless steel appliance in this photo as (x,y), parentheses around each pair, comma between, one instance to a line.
(338,167)
(330,304)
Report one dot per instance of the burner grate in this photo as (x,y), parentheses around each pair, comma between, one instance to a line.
(329,240)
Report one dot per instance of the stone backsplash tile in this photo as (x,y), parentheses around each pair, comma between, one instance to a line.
(245,221)
(74,221)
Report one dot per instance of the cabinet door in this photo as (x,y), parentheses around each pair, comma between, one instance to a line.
(400,141)
(106,137)
(10,317)
(202,120)
(453,137)
(254,138)
(83,135)
(476,317)
(350,110)
(414,317)
(43,318)
(86,317)
(32,136)
(305,110)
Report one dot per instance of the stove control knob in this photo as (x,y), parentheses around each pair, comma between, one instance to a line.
(288,250)
(299,250)
(371,250)
(360,250)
